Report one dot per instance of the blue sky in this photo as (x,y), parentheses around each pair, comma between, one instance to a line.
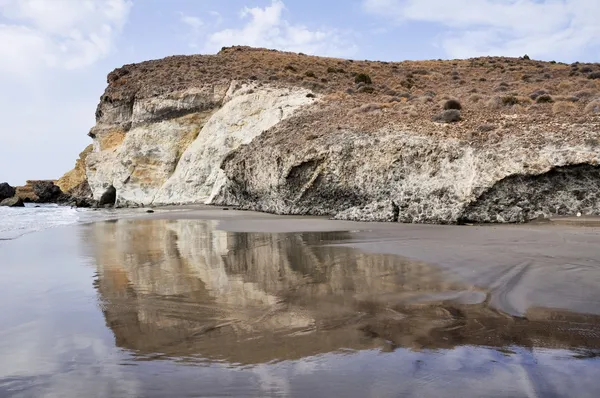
(55,54)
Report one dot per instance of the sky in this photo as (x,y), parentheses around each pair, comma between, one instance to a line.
(55,54)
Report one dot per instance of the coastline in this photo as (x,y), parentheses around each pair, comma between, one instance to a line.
(525,259)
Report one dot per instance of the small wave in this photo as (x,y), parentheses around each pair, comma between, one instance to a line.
(16,222)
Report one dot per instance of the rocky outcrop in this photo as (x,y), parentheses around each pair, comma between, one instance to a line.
(292,134)
(47,192)
(167,158)
(15,201)
(73,179)
(6,191)
(42,191)
(400,176)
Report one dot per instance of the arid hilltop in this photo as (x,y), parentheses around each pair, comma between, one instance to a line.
(487,140)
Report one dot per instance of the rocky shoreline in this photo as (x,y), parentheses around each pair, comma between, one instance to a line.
(485,140)
(43,192)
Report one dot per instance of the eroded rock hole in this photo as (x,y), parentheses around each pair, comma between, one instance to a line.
(563,191)
(109,197)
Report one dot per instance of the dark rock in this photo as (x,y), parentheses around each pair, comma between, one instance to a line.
(82,202)
(6,191)
(544,98)
(594,75)
(47,192)
(448,116)
(109,197)
(15,201)
(81,196)
(150,211)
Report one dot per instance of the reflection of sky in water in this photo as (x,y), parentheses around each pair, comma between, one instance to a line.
(54,342)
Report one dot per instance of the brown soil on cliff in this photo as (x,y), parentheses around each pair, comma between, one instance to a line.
(499,96)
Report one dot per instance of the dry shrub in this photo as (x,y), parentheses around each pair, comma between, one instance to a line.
(336,97)
(422,99)
(452,104)
(475,98)
(494,103)
(593,108)
(568,98)
(487,127)
(544,99)
(410,110)
(363,78)
(448,116)
(522,100)
(563,108)
(565,86)
(537,93)
(372,107)
(584,94)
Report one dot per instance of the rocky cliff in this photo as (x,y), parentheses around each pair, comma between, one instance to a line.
(479,140)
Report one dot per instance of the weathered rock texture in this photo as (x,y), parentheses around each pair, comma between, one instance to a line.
(41,191)
(289,133)
(15,201)
(75,179)
(6,191)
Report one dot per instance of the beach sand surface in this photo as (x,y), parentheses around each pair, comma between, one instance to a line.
(203,301)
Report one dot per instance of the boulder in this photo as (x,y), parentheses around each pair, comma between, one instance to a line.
(41,191)
(79,196)
(6,191)
(47,192)
(15,201)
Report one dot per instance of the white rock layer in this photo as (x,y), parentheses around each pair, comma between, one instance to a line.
(198,176)
(155,163)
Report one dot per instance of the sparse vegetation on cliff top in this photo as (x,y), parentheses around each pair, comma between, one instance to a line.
(487,89)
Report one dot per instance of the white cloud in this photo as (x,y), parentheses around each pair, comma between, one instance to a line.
(58,34)
(51,78)
(217,18)
(543,29)
(194,23)
(195,26)
(266,27)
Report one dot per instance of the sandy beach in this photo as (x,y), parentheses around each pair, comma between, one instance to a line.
(204,301)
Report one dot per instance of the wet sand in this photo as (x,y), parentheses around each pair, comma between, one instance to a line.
(209,302)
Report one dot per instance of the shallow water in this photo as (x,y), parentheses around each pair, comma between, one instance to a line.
(154,308)
(18,221)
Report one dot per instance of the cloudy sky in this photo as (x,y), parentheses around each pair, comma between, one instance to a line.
(55,54)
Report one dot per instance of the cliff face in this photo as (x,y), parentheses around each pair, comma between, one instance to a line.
(288,133)
(75,179)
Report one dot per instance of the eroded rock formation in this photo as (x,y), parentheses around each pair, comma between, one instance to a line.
(41,191)
(288,133)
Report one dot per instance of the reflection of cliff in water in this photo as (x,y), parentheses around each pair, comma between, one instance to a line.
(181,288)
